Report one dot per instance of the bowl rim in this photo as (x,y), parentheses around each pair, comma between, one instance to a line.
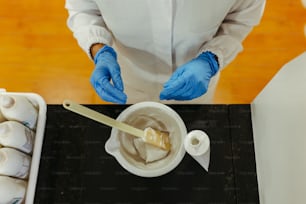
(115,151)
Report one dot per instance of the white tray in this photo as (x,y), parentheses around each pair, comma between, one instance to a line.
(39,103)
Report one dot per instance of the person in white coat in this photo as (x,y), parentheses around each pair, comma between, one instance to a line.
(169,51)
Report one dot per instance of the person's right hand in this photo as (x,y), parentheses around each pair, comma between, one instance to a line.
(106,77)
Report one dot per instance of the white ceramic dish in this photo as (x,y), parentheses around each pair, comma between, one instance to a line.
(158,116)
(40,104)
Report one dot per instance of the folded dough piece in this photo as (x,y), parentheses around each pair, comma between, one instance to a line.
(148,152)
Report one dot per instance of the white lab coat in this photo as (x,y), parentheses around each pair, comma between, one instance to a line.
(153,37)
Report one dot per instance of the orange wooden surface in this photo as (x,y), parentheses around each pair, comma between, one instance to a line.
(38,53)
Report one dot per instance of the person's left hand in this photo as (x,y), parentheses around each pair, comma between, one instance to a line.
(191,80)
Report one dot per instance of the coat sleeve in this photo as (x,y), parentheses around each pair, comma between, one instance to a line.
(238,23)
(87,24)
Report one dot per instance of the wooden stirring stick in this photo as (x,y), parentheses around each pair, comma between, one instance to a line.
(149,135)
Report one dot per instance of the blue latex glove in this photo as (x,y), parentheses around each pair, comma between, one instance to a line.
(191,80)
(107,70)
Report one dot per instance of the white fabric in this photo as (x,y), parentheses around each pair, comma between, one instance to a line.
(153,37)
(279,130)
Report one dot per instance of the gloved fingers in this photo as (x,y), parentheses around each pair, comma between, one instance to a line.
(195,90)
(187,91)
(116,79)
(109,93)
(170,90)
(114,99)
(183,94)
(174,77)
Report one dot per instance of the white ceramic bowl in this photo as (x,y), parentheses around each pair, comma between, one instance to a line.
(141,115)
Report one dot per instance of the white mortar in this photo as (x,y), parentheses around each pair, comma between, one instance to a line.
(158,116)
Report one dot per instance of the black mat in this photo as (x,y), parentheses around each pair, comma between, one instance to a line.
(76,169)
